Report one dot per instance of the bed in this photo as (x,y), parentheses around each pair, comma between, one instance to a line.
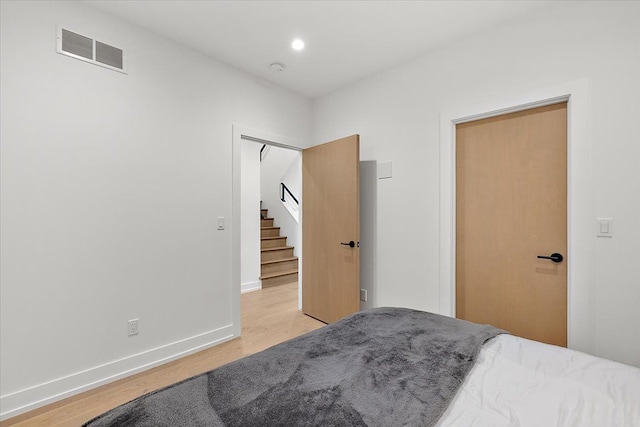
(397,366)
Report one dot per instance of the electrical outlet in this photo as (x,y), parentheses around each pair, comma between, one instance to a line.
(363,295)
(133,327)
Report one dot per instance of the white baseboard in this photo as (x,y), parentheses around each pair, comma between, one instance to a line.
(250,286)
(28,399)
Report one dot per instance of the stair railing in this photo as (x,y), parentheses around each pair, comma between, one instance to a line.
(289,201)
(285,190)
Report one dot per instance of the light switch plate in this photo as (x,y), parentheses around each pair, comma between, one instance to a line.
(384,170)
(220,223)
(605,227)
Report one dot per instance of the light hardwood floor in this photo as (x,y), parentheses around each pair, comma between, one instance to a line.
(269,316)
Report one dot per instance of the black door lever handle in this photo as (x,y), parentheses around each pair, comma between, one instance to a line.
(555,257)
(351,244)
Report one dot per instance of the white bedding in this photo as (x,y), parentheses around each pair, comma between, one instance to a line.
(519,382)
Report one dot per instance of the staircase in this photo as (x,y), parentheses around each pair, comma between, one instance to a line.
(277,263)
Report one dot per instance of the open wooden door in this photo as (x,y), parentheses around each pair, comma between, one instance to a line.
(331,229)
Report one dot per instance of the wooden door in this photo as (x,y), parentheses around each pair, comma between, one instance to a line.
(330,220)
(511,207)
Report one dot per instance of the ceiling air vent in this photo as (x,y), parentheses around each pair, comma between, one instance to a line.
(90,50)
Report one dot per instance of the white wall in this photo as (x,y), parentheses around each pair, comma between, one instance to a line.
(250,212)
(397,115)
(111,185)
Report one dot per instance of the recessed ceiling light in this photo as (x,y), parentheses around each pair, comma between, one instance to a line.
(297,44)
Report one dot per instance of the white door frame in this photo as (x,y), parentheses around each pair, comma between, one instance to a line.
(241,133)
(579,320)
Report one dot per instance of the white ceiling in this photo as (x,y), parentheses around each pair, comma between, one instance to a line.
(345,40)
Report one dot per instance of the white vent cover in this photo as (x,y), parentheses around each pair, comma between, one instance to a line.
(90,50)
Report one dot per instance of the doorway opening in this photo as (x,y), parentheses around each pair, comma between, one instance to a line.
(271,184)
(256,157)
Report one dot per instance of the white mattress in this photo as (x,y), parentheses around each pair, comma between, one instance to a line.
(519,382)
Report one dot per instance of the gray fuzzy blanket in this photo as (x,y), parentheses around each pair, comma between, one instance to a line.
(380,367)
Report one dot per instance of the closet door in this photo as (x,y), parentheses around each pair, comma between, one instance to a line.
(511,209)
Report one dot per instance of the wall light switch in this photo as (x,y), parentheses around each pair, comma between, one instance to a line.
(605,227)
(220,223)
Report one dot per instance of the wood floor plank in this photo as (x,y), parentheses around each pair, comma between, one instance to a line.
(269,316)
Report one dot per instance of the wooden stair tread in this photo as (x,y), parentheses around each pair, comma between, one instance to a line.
(279,248)
(277,274)
(278,265)
(275,261)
